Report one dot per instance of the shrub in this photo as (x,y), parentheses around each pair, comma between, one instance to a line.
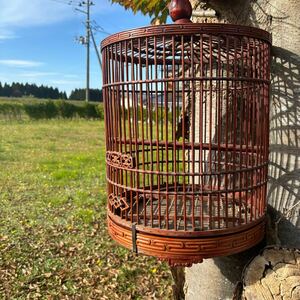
(34,111)
(65,109)
(50,110)
(46,110)
(80,110)
(100,111)
(11,111)
(90,111)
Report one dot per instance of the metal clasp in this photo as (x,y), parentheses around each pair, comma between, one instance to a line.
(134,236)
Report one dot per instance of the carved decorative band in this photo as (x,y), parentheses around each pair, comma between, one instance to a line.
(186,251)
(117,202)
(119,159)
(190,28)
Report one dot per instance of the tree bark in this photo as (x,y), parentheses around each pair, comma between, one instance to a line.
(179,280)
(216,278)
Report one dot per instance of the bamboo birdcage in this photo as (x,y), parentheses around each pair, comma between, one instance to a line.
(186,114)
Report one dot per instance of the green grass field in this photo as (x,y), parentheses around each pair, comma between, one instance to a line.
(53,238)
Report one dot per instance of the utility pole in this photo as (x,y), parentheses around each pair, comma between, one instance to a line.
(86,41)
(88,31)
(85,8)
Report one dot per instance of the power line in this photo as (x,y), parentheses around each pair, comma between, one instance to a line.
(98,28)
(67,2)
(85,8)
(97,52)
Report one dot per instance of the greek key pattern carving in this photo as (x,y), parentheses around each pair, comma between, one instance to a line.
(119,159)
(117,202)
(186,251)
(190,28)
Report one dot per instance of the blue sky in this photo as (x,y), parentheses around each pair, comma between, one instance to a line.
(37,41)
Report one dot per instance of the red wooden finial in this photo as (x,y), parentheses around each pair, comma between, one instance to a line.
(180,11)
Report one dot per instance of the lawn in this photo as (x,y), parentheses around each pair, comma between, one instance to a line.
(53,238)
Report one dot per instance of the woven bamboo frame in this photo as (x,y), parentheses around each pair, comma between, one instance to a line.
(187,114)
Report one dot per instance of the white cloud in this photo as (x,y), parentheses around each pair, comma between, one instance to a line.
(21,13)
(34,12)
(65,82)
(70,76)
(37,74)
(16,14)
(6,35)
(20,63)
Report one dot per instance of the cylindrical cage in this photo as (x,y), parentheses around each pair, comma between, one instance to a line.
(186,113)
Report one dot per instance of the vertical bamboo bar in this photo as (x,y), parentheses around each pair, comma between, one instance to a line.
(174,119)
(129,125)
(141,110)
(226,130)
(150,108)
(113,113)
(193,132)
(234,127)
(183,129)
(210,138)
(165,105)
(241,135)
(201,177)
(219,128)
(157,132)
(253,129)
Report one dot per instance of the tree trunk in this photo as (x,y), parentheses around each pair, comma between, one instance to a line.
(179,280)
(216,278)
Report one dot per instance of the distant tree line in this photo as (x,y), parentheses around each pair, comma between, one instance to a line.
(79,94)
(31,90)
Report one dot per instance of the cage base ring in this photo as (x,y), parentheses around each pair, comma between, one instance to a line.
(183,251)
